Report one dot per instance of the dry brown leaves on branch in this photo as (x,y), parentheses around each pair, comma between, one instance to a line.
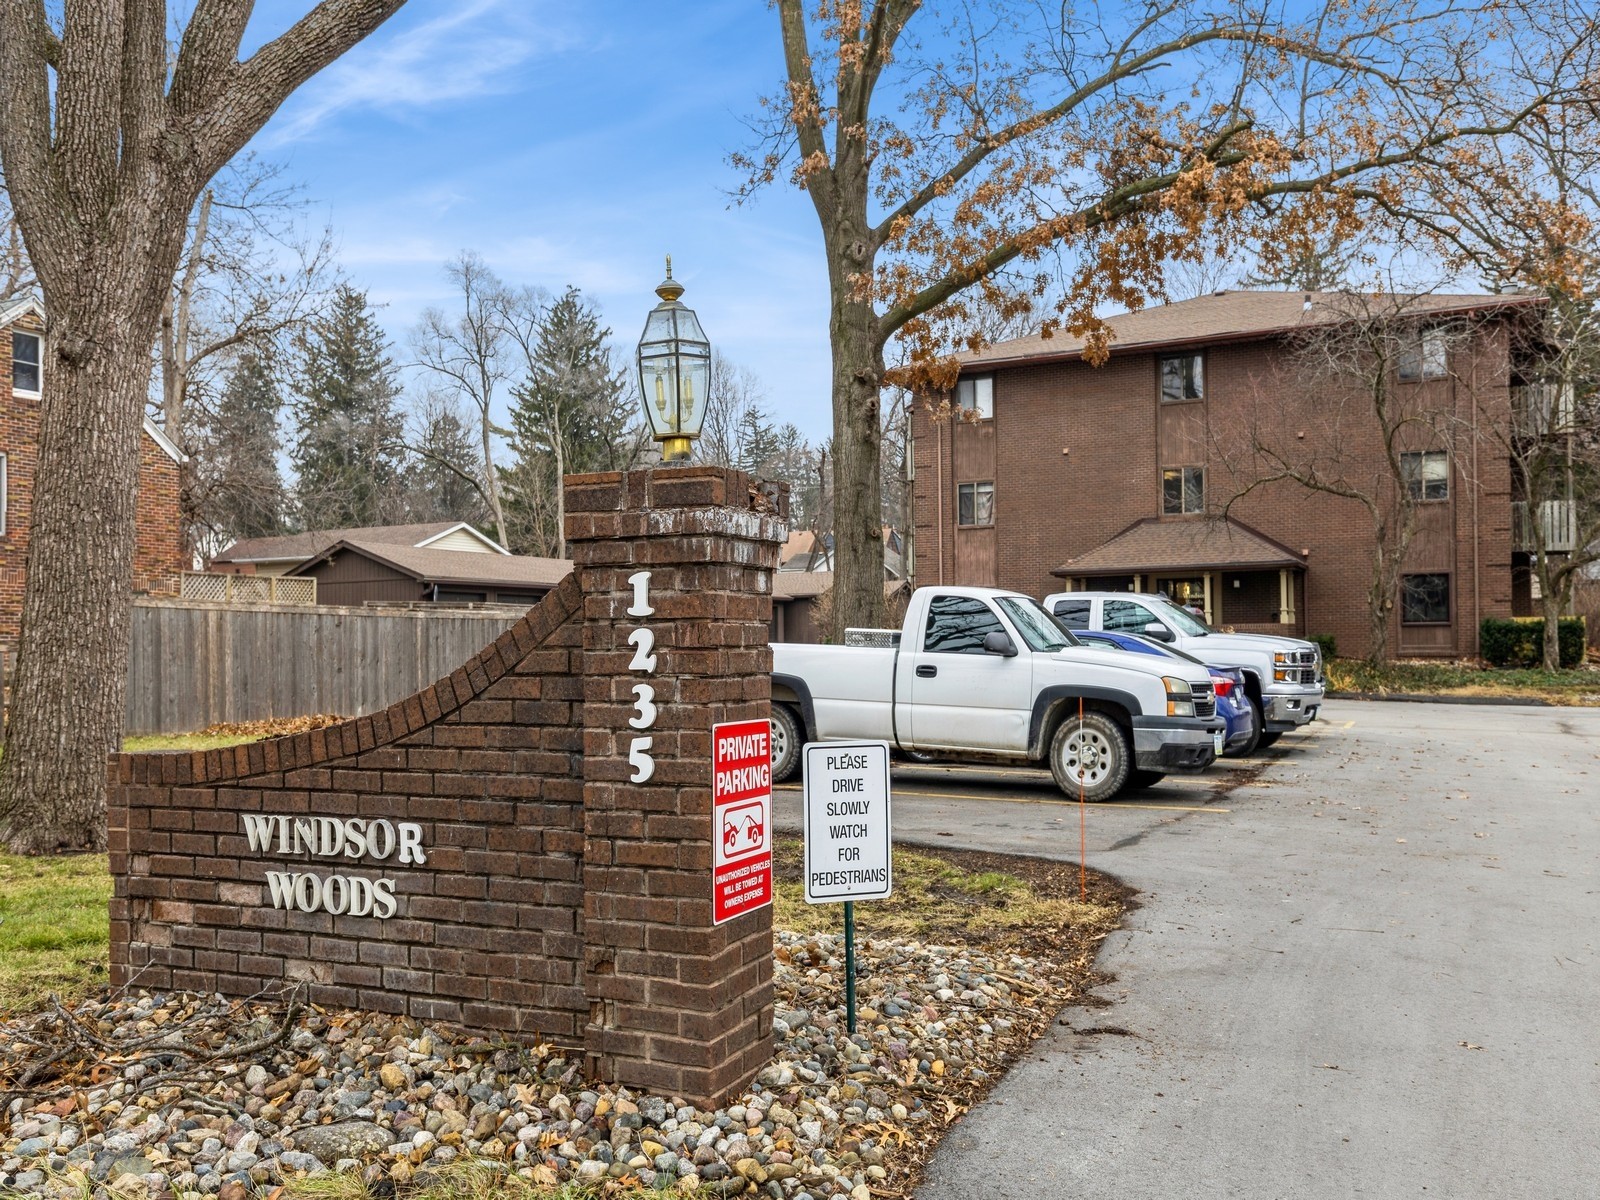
(57,1055)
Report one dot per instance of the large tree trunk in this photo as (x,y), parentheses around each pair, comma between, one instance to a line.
(857,485)
(68,692)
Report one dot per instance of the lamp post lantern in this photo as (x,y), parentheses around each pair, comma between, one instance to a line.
(674,371)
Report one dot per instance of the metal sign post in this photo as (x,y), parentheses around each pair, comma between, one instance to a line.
(847,827)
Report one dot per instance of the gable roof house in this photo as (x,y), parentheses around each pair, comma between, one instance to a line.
(356,571)
(24,375)
(1064,475)
(279,555)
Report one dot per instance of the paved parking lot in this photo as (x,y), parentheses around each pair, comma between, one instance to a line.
(1367,969)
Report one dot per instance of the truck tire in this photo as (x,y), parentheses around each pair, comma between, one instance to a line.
(1270,738)
(1094,747)
(788,740)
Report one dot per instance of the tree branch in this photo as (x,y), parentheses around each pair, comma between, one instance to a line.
(260,85)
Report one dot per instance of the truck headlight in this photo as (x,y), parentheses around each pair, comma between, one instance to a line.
(1280,658)
(1282,676)
(1180,698)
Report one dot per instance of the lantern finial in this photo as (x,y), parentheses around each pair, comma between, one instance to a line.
(669,288)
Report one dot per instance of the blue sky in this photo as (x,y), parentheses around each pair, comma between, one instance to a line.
(568,144)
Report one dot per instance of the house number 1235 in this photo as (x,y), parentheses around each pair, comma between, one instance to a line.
(644,696)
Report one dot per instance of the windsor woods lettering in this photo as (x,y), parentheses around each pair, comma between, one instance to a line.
(346,840)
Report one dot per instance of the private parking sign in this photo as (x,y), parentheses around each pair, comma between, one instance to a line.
(741,816)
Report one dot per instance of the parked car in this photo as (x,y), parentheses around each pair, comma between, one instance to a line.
(984,674)
(1282,675)
(1243,733)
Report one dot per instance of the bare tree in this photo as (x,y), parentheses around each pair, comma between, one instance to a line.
(1362,411)
(110,137)
(472,351)
(1091,145)
(448,474)
(734,394)
(250,275)
(16,273)
(1553,444)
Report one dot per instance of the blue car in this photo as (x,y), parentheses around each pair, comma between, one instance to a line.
(1241,735)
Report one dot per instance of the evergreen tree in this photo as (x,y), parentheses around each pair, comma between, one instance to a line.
(238,490)
(447,471)
(573,412)
(347,454)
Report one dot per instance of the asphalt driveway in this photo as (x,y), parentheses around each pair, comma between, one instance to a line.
(1368,970)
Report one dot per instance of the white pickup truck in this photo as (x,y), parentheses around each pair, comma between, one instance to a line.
(982,674)
(1282,675)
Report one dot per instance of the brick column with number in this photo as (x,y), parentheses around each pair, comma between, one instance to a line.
(678,1005)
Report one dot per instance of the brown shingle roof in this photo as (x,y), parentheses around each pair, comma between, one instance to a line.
(453,566)
(804,585)
(296,547)
(1183,545)
(1231,316)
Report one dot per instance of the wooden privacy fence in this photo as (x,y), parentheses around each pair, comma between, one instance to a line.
(194,664)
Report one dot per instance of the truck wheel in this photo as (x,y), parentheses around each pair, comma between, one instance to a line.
(1270,738)
(1144,779)
(788,737)
(1092,754)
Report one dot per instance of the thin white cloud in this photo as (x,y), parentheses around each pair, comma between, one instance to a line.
(476,49)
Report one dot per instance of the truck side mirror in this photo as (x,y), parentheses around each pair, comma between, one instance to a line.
(999,643)
(1158,631)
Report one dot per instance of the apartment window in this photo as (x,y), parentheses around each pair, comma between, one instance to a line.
(1426,358)
(25,363)
(976,395)
(1183,490)
(1425,599)
(958,625)
(1426,474)
(975,504)
(1183,377)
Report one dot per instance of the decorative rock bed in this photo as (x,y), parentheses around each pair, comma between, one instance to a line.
(194,1096)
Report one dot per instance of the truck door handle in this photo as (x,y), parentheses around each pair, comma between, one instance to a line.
(927,672)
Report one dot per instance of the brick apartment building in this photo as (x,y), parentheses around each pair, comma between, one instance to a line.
(158,552)
(1056,475)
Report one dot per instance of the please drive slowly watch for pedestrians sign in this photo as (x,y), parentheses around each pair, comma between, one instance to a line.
(847,821)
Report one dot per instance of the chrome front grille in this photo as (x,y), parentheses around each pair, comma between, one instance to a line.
(1205,699)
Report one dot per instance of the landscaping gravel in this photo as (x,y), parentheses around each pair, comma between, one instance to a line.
(831,1115)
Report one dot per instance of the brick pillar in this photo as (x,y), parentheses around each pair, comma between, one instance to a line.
(677,1005)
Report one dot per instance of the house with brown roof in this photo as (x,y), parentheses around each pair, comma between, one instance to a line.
(1051,473)
(281,554)
(357,571)
(159,556)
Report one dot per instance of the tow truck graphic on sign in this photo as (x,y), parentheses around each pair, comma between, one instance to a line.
(743,829)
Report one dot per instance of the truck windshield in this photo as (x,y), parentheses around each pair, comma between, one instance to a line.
(1185,620)
(1039,629)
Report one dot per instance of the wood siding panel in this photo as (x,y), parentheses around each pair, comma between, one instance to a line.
(975,557)
(1182,430)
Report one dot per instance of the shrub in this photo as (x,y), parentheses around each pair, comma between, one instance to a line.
(1326,643)
(1519,641)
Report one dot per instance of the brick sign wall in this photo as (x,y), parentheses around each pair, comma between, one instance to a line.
(486,852)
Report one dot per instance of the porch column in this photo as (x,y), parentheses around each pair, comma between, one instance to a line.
(1138,583)
(1207,595)
(1285,596)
